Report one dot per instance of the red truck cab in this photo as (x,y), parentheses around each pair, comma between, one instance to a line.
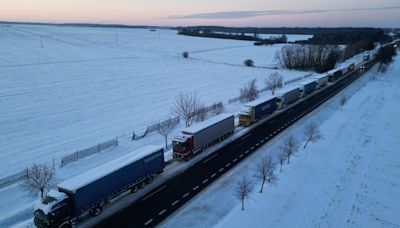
(182,147)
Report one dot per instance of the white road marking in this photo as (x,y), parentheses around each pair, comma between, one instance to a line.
(262,140)
(194,189)
(213,175)
(257,144)
(246,152)
(155,192)
(210,158)
(186,194)
(205,181)
(240,155)
(234,160)
(175,202)
(162,212)
(227,165)
(148,222)
(252,148)
(221,169)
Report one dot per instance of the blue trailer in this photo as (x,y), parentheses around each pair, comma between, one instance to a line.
(87,193)
(255,110)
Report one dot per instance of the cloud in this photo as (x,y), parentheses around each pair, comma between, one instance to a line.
(249,14)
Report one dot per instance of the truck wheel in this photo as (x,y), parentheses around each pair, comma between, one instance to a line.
(134,189)
(149,180)
(142,184)
(95,211)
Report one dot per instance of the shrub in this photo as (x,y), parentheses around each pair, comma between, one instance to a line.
(249,62)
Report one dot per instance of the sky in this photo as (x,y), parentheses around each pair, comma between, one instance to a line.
(266,13)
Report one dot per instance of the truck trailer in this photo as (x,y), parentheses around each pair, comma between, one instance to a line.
(306,87)
(286,96)
(86,194)
(335,75)
(198,137)
(321,80)
(255,110)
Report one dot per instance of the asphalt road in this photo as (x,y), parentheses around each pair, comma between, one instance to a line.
(169,196)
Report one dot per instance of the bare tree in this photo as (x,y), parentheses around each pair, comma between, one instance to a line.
(265,171)
(218,108)
(282,158)
(186,106)
(320,58)
(342,101)
(249,92)
(274,81)
(385,57)
(243,190)
(38,178)
(165,127)
(312,133)
(201,113)
(290,147)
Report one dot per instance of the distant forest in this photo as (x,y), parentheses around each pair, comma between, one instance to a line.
(320,35)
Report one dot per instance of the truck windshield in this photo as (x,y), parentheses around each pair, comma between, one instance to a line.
(243,116)
(178,145)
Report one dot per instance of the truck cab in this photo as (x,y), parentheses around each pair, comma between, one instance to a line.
(53,210)
(246,117)
(182,147)
(351,67)
(306,87)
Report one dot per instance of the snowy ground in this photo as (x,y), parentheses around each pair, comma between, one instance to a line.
(68,88)
(350,178)
(103,82)
(87,85)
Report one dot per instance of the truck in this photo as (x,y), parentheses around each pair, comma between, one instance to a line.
(198,137)
(255,110)
(351,67)
(306,87)
(286,96)
(335,75)
(86,194)
(321,80)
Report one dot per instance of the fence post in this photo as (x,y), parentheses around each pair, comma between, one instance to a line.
(98,148)
(116,141)
(133,135)
(77,158)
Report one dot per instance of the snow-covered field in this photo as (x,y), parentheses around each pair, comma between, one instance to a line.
(350,178)
(87,85)
(68,88)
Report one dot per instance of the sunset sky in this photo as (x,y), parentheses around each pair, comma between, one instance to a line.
(381,13)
